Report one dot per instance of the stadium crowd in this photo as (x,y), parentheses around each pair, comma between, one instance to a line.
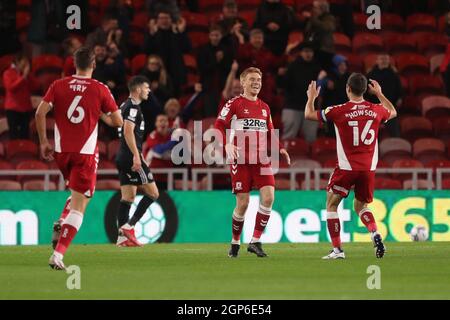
(192,52)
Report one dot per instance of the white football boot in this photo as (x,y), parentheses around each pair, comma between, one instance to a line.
(335,254)
(56,262)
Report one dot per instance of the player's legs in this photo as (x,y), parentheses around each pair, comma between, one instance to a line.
(151,194)
(126,232)
(57,224)
(242,201)
(334,226)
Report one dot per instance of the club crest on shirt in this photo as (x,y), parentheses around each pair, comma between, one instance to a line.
(133,112)
(264,112)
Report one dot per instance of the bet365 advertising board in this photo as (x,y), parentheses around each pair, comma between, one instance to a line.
(26,218)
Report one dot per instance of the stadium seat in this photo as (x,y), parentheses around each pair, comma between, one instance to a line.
(295,37)
(430,43)
(445,184)
(108,184)
(392,149)
(297,147)
(422,184)
(396,43)
(5,165)
(392,22)
(434,107)
(435,164)
(355,63)
(249,16)
(360,20)
(249,4)
(370,60)
(365,42)
(2,150)
(323,183)
(435,63)
(411,63)
(426,85)
(285,184)
(421,22)
(136,38)
(406,163)
(330,163)
(210,5)
(10,185)
(442,22)
(50,126)
(429,149)
(30,165)
(105,164)
(198,38)
(342,43)
(47,63)
(441,127)
(140,21)
(190,62)
(23,19)
(413,128)
(196,21)
(385,183)
(138,62)
(38,185)
(102,149)
(323,149)
(411,105)
(113,148)
(23,149)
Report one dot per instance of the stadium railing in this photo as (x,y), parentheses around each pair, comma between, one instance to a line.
(439,173)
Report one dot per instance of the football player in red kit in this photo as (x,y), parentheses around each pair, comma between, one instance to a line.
(356,123)
(243,115)
(78,102)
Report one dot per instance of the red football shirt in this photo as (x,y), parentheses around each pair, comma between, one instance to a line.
(77,105)
(356,125)
(242,115)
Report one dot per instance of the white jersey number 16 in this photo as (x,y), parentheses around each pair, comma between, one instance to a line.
(364,134)
(75,107)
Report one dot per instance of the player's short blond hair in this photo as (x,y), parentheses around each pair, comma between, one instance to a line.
(249,70)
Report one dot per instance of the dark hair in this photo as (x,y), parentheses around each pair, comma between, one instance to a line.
(83,58)
(136,81)
(357,83)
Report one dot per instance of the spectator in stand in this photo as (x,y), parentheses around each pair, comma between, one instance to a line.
(110,68)
(170,41)
(276,20)
(169,6)
(232,87)
(160,81)
(107,33)
(18,85)
(178,118)
(386,75)
(235,29)
(299,75)
(320,25)
(158,147)
(333,87)
(214,60)
(70,45)
(255,54)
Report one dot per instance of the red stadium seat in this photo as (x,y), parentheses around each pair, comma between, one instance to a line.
(10,185)
(295,36)
(138,62)
(342,43)
(411,63)
(413,128)
(23,19)
(50,126)
(430,43)
(47,63)
(400,43)
(355,63)
(249,16)
(445,184)
(392,149)
(210,5)
(429,149)
(30,165)
(190,62)
(108,184)
(365,42)
(323,149)
(248,4)
(442,22)
(5,165)
(196,21)
(330,163)
(441,127)
(425,84)
(385,183)
(360,21)
(405,163)
(38,185)
(435,63)
(323,183)
(435,164)
(392,22)
(139,22)
(2,150)
(411,105)
(21,149)
(198,38)
(434,107)
(102,149)
(285,184)
(420,22)
(297,147)
(113,148)
(105,164)
(422,184)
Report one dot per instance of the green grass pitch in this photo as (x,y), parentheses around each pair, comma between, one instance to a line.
(203,271)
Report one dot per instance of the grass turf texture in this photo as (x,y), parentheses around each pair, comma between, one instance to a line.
(203,271)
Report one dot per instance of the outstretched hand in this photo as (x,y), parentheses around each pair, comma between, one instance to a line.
(313,91)
(374,87)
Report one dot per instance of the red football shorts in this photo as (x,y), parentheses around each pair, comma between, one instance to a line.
(341,181)
(246,176)
(80,170)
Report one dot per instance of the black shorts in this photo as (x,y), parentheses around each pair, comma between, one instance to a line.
(136,178)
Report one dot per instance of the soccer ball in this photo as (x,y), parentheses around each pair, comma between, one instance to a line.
(419,233)
(151,226)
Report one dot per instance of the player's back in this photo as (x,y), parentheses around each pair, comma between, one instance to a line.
(77,105)
(357,125)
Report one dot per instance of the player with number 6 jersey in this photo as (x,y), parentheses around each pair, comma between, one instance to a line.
(78,102)
(356,123)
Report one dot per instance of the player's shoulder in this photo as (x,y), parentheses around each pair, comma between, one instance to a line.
(233,101)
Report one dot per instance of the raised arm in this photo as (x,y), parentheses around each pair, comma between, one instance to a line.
(312,92)
(375,89)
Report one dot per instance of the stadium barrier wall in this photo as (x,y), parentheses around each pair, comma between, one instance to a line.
(26,218)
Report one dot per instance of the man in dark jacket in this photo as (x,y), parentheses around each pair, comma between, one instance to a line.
(170,41)
(299,74)
(391,85)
